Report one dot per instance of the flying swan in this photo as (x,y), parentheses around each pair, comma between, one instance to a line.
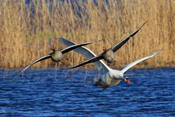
(110,77)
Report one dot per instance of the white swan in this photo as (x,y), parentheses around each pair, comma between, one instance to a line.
(110,77)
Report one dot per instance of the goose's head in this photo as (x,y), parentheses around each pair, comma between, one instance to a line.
(127,80)
(52,48)
(104,48)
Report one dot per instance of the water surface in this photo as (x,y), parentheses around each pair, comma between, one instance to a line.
(46,92)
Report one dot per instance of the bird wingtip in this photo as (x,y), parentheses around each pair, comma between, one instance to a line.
(61,38)
(162,49)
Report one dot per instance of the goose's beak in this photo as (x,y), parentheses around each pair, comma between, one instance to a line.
(52,48)
(104,48)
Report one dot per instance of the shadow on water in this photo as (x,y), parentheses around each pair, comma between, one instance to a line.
(39,93)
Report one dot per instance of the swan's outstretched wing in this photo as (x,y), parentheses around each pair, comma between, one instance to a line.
(37,60)
(128,66)
(122,42)
(69,48)
(101,66)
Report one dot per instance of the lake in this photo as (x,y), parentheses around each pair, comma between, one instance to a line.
(50,92)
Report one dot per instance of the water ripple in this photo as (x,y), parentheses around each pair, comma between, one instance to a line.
(71,93)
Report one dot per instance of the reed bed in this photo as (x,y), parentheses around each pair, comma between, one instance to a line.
(28,29)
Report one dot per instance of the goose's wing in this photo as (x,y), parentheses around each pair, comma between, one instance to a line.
(128,66)
(93,59)
(122,42)
(69,48)
(101,66)
(35,61)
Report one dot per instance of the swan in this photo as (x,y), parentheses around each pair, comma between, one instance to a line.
(110,77)
(56,55)
(108,55)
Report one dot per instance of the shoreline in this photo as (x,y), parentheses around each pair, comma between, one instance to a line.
(141,66)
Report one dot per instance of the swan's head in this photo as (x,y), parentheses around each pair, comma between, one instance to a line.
(52,48)
(127,80)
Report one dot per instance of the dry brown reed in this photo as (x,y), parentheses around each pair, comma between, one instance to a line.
(27,30)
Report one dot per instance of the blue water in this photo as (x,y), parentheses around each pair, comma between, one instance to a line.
(46,92)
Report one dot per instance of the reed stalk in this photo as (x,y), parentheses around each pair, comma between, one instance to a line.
(28,30)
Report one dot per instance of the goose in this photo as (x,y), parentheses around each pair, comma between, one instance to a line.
(56,55)
(110,77)
(108,55)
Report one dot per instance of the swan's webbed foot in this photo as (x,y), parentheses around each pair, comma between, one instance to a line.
(98,83)
(104,88)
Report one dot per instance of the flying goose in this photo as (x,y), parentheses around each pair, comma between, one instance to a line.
(56,55)
(108,55)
